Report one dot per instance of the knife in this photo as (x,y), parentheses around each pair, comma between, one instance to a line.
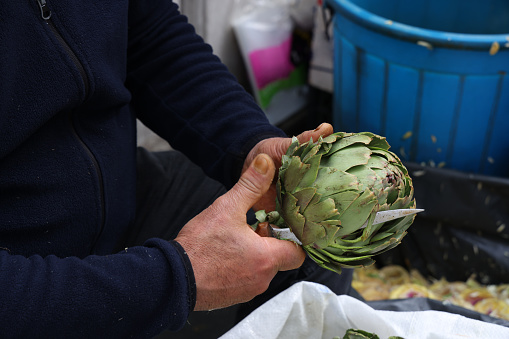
(382,216)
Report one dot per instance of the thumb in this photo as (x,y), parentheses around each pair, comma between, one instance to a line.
(253,183)
(287,254)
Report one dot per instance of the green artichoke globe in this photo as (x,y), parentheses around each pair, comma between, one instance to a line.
(329,191)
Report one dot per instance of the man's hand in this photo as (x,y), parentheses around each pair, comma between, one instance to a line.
(232,263)
(276,148)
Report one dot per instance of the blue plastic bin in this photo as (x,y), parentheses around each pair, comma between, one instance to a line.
(430,75)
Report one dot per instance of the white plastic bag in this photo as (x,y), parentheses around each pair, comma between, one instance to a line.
(264,32)
(310,310)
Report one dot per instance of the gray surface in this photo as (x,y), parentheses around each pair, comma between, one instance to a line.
(149,140)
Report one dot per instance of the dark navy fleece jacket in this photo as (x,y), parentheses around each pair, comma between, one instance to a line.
(74,75)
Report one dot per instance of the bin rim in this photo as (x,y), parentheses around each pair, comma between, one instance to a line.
(427,37)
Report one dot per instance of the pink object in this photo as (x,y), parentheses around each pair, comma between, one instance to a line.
(272,63)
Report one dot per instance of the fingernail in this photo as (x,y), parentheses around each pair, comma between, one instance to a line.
(319,127)
(261,165)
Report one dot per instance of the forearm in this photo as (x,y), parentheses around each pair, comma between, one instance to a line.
(137,292)
(185,94)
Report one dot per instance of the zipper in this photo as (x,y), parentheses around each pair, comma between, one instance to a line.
(46,16)
(98,171)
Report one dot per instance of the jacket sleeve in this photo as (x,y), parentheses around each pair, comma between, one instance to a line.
(186,95)
(135,293)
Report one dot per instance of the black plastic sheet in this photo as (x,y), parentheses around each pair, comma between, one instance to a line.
(463,231)
(424,304)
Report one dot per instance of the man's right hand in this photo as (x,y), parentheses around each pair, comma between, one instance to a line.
(231,263)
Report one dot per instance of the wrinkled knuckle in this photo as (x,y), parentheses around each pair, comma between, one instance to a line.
(262,287)
(250,186)
(221,203)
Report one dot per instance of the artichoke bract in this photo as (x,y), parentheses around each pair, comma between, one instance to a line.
(329,191)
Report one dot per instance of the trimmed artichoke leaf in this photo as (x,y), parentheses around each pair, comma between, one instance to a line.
(400,167)
(330,230)
(366,176)
(314,234)
(397,162)
(323,210)
(357,213)
(308,147)
(409,188)
(316,252)
(342,259)
(295,143)
(285,161)
(261,215)
(279,194)
(349,157)
(311,153)
(381,236)
(374,230)
(294,173)
(376,248)
(273,217)
(378,142)
(305,196)
(370,228)
(359,263)
(297,152)
(331,138)
(335,266)
(348,141)
(331,266)
(293,219)
(343,242)
(316,199)
(398,225)
(386,247)
(380,185)
(344,199)
(335,251)
(351,239)
(312,173)
(324,148)
(331,222)
(376,161)
(340,250)
(391,157)
(401,203)
(354,260)
(392,194)
(330,181)
(322,261)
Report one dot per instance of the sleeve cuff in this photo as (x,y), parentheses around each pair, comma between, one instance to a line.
(191,282)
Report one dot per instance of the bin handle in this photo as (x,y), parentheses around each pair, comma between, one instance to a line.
(327,17)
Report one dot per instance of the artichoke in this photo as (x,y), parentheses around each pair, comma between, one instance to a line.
(329,191)
(360,334)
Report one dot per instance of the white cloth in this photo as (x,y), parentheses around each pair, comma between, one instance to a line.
(309,310)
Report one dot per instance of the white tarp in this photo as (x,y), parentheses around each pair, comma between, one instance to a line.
(309,310)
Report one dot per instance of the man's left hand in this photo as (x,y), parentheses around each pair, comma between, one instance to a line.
(276,148)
